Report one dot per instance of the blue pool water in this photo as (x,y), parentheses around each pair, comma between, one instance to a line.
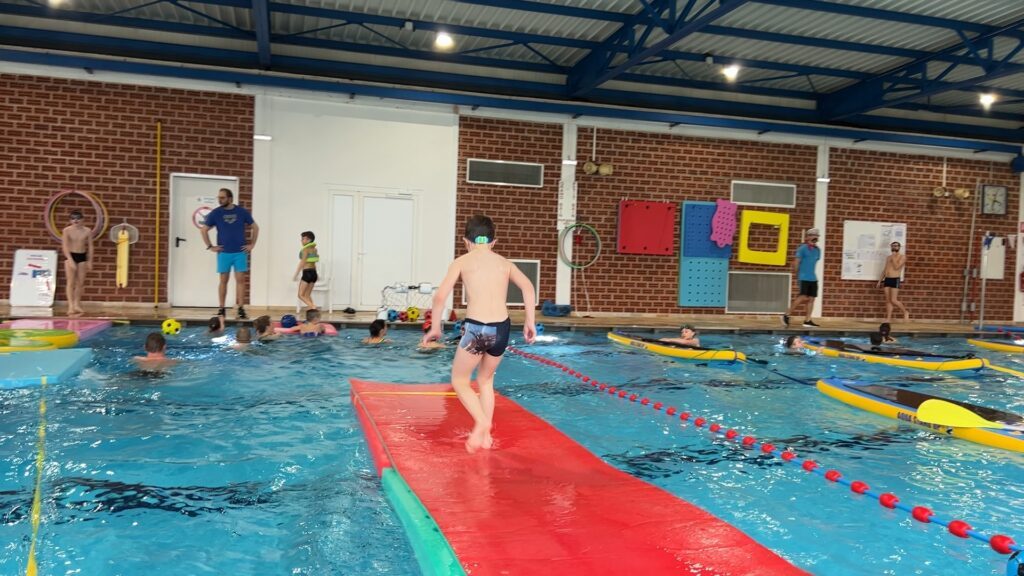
(254,463)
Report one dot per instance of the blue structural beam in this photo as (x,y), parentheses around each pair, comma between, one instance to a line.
(261,24)
(602,63)
(924,76)
(462,99)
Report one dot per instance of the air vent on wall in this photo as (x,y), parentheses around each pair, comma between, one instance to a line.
(763,292)
(504,173)
(764,193)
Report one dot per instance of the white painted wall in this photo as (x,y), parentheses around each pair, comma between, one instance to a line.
(319,146)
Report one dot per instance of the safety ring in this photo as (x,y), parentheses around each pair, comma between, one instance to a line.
(561,245)
(51,217)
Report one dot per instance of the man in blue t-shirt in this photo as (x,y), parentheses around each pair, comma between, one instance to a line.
(232,247)
(807,256)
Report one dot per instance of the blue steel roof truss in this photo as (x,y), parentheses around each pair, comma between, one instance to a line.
(621,56)
(918,78)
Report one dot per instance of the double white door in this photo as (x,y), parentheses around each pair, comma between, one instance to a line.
(372,237)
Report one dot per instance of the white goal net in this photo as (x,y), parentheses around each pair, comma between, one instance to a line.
(406,302)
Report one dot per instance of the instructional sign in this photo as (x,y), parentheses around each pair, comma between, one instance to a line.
(866,246)
(34,281)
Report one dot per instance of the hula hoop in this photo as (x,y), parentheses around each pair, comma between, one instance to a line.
(561,245)
(50,216)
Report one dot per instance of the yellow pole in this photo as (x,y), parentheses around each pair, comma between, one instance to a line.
(156,260)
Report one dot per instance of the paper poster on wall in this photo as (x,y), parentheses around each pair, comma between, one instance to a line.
(866,246)
(34,280)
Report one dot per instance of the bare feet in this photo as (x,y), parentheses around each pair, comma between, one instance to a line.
(906,316)
(476,439)
(488,442)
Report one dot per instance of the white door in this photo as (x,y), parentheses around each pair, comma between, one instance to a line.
(386,242)
(192,269)
(342,232)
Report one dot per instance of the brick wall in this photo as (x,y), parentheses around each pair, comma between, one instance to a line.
(897,188)
(525,218)
(100,138)
(667,168)
(656,167)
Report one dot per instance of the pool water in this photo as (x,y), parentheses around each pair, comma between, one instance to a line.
(254,463)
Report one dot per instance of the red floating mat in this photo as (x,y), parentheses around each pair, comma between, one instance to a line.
(539,503)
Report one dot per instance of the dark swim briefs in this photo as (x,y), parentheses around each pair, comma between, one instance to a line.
(309,275)
(79,257)
(478,337)
(891,282)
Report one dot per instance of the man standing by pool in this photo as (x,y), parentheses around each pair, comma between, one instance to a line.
(807,256)
(232,248)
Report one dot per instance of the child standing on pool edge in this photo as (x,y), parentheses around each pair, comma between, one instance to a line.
(485,276)
(308,257)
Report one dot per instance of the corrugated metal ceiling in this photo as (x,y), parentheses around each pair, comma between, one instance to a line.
(789,47)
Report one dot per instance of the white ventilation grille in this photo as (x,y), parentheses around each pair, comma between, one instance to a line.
(758,292)
(764,193)
(502,173)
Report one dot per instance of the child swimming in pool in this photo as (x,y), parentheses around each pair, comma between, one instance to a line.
(264,331)
(156,354)
(432,345)
(243,338)
(795,345)
(687,337)
(485,276)
(215,326)
(378,332)
(312,325)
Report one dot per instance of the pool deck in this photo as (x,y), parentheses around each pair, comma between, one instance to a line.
(598,322)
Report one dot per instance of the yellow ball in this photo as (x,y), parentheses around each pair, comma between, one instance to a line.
(171,326)
(413,313)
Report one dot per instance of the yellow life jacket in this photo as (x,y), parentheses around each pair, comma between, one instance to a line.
(312,257)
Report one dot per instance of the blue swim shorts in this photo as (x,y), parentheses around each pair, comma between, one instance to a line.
(228,260)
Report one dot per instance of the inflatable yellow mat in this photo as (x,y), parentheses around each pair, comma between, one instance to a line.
(902,404)
(676,350)
(896,356)
(1010,346)
(34,339)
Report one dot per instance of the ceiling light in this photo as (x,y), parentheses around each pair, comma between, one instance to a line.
(444,41)
(987,100)
(266,137)
(731,72)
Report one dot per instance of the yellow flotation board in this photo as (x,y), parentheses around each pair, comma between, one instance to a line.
(122,258)
(920,361)
(675,350)
(35,339)
(998,345)
(902,404)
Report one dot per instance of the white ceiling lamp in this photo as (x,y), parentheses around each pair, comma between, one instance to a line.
(731,72)
(444,41)
(987,100)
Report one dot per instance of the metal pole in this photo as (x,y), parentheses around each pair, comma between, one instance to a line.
(986,245)
(970,250)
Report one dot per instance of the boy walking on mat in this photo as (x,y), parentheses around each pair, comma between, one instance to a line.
(485,276)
